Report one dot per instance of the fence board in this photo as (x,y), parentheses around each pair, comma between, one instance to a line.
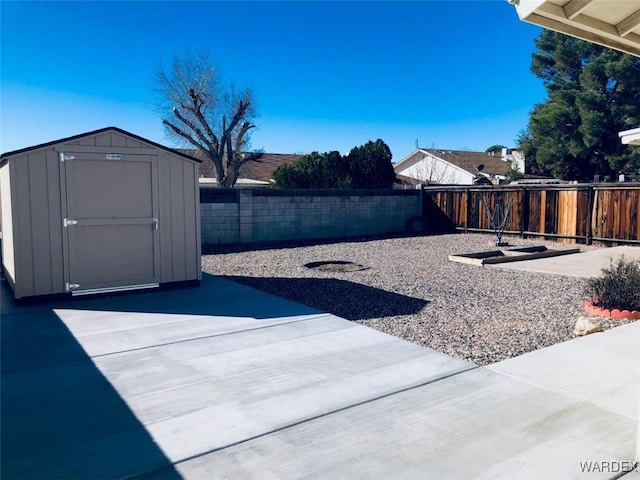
(603,212)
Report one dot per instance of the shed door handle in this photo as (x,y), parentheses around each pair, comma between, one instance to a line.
(155,223)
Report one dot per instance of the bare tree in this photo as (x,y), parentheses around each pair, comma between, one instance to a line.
(200,112)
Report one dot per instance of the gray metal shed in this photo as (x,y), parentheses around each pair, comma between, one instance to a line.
(102,211)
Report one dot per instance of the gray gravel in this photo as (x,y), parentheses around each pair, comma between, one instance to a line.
(413,291)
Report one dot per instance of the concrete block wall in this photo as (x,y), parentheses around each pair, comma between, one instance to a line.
(276,215)
(219,216)
(219,223)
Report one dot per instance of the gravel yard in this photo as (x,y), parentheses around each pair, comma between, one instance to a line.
(413,291)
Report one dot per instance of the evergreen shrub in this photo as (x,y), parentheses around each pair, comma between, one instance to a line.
(617,287)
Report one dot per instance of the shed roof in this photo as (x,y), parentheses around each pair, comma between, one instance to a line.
(183,154)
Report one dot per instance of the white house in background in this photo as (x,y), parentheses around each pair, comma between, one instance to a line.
(438,166)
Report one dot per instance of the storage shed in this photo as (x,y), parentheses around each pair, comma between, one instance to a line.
(102,211)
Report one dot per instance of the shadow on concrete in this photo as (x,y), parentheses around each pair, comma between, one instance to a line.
(345,299)
(60,417)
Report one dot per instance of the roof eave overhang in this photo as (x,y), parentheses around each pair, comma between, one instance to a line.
(630,137)
(581,19)
(409,158)
(585,20)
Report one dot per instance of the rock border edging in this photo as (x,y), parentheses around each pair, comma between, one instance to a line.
(592,309)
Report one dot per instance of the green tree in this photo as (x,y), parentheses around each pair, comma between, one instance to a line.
(315,170)
(592,94)
(495,149)
(370,166)
(513,175)
(200,112)
(366,166)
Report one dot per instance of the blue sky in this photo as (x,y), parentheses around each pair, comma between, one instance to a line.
(450,74)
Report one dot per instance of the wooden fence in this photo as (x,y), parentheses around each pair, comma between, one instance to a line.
(583,213)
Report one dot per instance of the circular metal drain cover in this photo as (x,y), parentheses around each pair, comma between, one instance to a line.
(336,266)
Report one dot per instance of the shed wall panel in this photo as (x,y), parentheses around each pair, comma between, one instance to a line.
(37,238)
(180,219)
(103,140)
(8,255)
(54,203)
(166,247)
(85,141)
(178,240)
(189,224)
(191,231)
(40,234)
(88,141)
(22,224)
(118,141)
(197,252)
(132,143)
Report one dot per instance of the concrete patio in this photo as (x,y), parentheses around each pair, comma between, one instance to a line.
(583,264)
(223,381)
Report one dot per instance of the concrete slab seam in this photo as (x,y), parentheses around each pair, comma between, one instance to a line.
(308,419)
(193,339)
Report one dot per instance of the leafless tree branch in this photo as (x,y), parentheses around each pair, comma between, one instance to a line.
(214,119)
(184,135)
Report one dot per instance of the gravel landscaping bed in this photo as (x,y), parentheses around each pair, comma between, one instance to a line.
(413,291)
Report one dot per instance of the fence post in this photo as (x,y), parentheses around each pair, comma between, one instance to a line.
(467,216)
(524,210)
(590,205)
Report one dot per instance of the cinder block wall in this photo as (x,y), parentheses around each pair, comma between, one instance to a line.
(219,216)
(246,216)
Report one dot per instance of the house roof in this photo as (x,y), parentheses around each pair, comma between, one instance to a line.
(493,165)
(611,23)
(261,169)
(97,132)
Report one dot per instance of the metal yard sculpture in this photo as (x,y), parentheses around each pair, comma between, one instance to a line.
(498,217)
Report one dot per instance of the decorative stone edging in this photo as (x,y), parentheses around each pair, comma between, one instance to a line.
(591,309)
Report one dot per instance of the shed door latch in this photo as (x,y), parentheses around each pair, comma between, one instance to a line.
(67,223)
(71,286)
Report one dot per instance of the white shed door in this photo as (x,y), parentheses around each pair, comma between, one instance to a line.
(111,222)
